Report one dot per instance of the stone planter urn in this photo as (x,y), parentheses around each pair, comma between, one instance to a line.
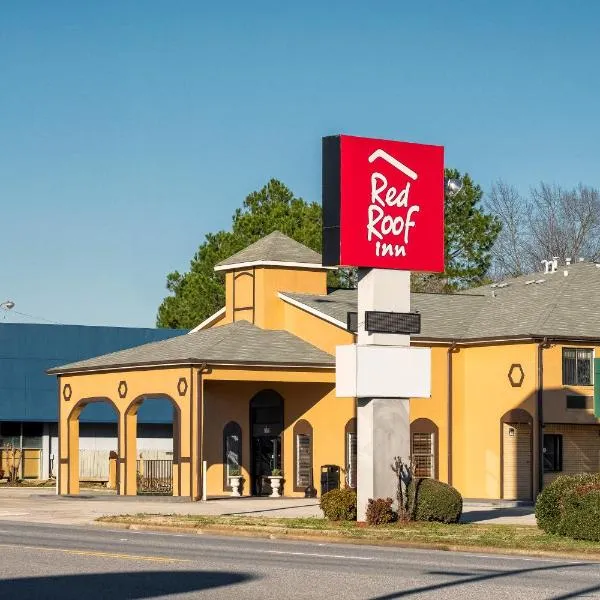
(275,481)
(234,482)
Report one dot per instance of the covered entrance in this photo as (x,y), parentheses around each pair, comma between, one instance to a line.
(266,419)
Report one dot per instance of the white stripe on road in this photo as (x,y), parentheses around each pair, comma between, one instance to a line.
(318,555)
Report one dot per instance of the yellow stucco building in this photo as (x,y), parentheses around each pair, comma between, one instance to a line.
(253,387)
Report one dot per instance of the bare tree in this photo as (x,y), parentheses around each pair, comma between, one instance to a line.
(551,221)
(509,257)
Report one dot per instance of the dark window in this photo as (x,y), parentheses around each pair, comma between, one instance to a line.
(576,402)
(232,451)
(10,434)
(552,453)
(577,366)
(422,454)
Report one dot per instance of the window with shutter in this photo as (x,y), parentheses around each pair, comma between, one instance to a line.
(351,458)
(422,454)
(304,460)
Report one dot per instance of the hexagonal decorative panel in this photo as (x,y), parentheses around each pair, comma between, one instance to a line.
(516,375)
(122,389)
(182,386)
(67,391)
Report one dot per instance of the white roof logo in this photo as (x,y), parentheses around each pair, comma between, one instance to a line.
(394,162)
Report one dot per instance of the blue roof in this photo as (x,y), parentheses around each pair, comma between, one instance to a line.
(27,350)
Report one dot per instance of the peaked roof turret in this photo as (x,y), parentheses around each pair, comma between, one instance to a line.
(276,249)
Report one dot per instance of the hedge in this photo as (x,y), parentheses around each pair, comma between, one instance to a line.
(435,501)
(339,505)
(570,506)
(380,512)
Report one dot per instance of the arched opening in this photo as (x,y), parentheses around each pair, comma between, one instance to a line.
(351,453)
(93,445)
(152,429)
(516,453)
(303,456)
(424,448)
(232,452)
(266,426)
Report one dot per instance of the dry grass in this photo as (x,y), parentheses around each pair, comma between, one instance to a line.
(504,538)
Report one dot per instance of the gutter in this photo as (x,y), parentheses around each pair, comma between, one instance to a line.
(540,414)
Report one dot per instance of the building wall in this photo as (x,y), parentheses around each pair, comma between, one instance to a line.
(581,449)
(316,403)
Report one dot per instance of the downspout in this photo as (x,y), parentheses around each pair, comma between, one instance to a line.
(203,369)
(540,413)
(451,351)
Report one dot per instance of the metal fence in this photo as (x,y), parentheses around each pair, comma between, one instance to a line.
(155,476)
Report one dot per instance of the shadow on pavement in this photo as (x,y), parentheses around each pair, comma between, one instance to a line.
(485,514)
(446,587)
(118,586)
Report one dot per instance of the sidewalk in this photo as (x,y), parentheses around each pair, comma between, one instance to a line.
(42,505)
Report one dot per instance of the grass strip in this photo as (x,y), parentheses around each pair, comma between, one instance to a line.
(468,536)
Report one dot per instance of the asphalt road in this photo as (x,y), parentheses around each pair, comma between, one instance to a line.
(40,561)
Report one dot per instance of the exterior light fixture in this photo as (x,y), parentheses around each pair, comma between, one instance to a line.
(453,186)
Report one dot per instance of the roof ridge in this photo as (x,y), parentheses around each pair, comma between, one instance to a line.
(545,314)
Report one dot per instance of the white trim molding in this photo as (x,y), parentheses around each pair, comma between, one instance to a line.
(208,321)
(312,311)
(272,263)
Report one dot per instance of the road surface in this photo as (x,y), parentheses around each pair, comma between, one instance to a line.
(41,561)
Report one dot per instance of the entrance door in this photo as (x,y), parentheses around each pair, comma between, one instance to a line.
(516,476)
(266,422)
(267,456)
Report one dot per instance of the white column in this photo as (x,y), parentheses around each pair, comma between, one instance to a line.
(45,470)
(383,424)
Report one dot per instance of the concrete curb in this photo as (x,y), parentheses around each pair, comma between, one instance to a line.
(281,533)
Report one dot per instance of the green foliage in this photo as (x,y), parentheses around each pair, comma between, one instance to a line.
(339,505)
(380,512)
(435,501)
(470,233)
(200,292)
(562,502)
(581,514)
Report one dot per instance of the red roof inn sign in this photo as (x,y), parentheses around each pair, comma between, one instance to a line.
(383,204)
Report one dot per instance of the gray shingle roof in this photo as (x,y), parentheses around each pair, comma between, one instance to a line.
(236,343)
(275,247)
(561,306)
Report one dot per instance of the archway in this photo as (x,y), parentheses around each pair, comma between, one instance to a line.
(266,426)
(152,426)
(93,438)
(516,453)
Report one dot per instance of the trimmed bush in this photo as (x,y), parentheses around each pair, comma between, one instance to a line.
(581,514)
(339,505)
(550,504)
(380,512)
(435,501)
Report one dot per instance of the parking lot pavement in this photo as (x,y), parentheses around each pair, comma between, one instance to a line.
(42,505)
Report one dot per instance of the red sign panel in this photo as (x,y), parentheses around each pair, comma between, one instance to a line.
(383,204)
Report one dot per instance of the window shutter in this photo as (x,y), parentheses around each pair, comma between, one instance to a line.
(304,458)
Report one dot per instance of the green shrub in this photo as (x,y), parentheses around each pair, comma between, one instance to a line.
(435,501)
(550,504)
(581,514)
(339,505)
(380,512)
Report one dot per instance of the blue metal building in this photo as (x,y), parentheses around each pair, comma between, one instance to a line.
(28,397)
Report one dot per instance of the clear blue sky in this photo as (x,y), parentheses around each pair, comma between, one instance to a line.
(130,129)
